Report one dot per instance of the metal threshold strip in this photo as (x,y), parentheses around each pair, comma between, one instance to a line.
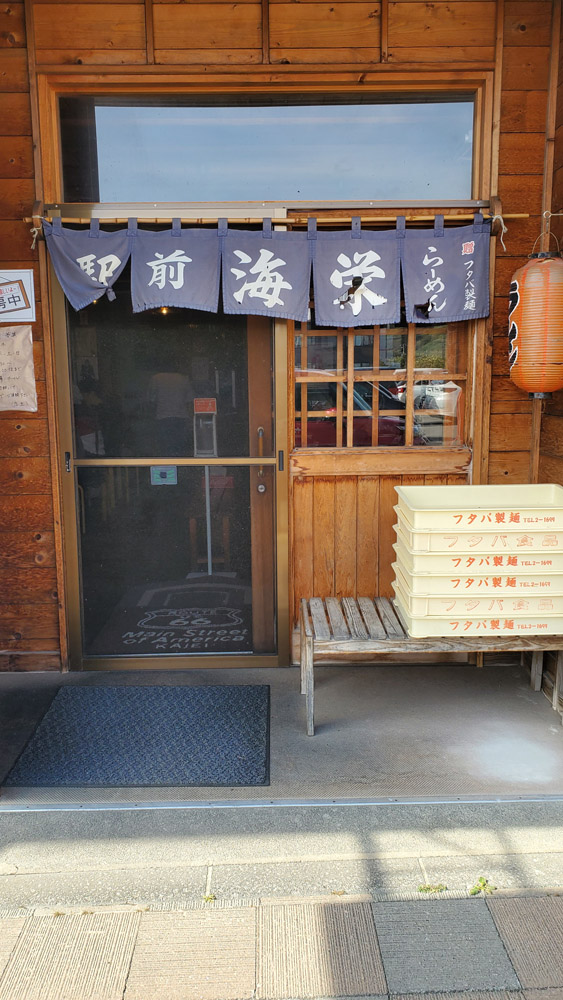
(175,804)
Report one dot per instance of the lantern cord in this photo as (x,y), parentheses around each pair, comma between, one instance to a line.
(547,233)
(503,229)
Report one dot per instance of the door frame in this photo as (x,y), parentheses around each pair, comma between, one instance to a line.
(71,513)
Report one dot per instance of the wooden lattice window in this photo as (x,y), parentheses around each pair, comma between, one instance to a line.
(400,385)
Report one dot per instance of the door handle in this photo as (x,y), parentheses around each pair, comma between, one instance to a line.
(67,461)
(260,433)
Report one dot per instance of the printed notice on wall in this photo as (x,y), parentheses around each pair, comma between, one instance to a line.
(17,297)
(17,378)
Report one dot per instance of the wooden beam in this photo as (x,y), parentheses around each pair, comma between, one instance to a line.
(366,462)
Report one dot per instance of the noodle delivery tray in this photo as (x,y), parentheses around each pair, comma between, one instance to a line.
(481,537)
(529,508)
(473,561)
(484,602)
(495,580)
(489,625)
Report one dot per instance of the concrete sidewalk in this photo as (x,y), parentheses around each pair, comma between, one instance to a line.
(283,903)
(503,946)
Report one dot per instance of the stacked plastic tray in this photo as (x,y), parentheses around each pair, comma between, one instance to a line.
(479,560)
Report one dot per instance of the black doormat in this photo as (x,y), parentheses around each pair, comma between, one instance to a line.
(142,736)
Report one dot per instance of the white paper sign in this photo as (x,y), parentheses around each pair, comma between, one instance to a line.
(17,296)
(17,378)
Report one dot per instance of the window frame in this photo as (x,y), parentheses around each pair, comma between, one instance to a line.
(52,85)
(345,377)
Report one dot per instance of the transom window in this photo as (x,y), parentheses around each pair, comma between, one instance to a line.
(267,147)
(382,386)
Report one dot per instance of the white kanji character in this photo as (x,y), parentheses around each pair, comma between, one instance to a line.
(268,282)
(361,266)
(107,265)
(169,269)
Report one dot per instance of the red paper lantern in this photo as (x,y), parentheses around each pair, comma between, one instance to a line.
(535,321)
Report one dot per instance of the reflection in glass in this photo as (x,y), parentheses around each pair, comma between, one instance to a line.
(258,147)
(321,432)
(391,431)
(392,395)
(438,413)
(321,395)
(166,559)
(135,378)
(363,395)
(430,348)
(297,359)
(393,349)
(322,354)
(363,351)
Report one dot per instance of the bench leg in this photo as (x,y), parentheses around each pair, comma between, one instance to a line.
(558,682)
(309,682)
(536,670)
(302,650)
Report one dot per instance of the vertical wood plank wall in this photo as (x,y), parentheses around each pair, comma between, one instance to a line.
(346,41)
(29,629)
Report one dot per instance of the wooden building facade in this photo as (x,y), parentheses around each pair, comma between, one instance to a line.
(335,504)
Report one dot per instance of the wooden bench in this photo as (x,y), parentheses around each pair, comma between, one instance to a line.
(358,629)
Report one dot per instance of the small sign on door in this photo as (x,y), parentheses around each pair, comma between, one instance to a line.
(205,405)
(164,475)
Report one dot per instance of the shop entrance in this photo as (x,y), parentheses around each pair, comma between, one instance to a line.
(169,478)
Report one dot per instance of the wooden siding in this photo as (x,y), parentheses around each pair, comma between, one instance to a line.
(551,438)
(340,526)
(29,626)
(342,533)
(525,68)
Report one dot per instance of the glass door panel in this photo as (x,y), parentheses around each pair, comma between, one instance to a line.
(135,379)
(168,560)
(172,422)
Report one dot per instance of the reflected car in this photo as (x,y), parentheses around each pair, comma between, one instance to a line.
(322,429)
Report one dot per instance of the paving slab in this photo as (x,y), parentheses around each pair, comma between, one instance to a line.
(532,930)
(318,950)
(70,957)
(197,955)
(442,946)
(480,995)
(10,928)
(506,871)
(556,994)
(101,887)
(474,995)
(316,878)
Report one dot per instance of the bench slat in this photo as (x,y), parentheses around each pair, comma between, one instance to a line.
(336,618)
(393,626)
(305,617)
(371,618)
(320,624)
(354,618)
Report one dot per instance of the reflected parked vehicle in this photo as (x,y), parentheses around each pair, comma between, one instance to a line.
(321,431)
